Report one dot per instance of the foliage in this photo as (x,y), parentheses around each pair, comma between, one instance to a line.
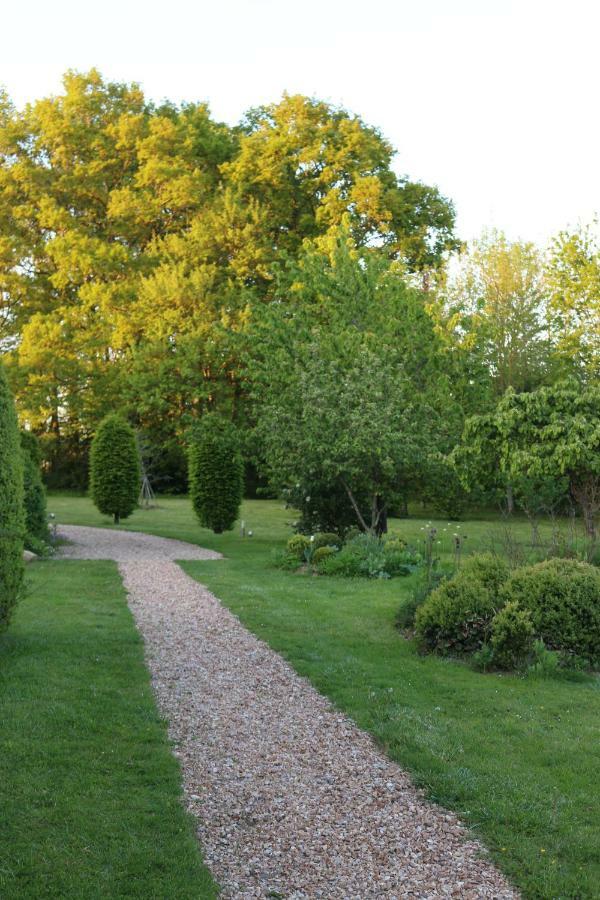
(563,598)
(425,585)
(136,239)
(573,282)
(114,468)
(489,569)
(12,517)
(325,539)
(456,618)
(36,517)
(322,553)
(216,473)
(512,636)
(347,387)
(554,432)
(298,545)
(366,556)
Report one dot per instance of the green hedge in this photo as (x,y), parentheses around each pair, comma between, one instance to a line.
(36,517)
(12,513)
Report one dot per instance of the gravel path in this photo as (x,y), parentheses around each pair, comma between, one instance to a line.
(291,799)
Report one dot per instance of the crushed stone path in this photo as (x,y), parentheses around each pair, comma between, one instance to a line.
(291,799)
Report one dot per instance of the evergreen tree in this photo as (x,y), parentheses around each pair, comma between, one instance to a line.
(115,468)
(216,473)
(12,517)
(36,520)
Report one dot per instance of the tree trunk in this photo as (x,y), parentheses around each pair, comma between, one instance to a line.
(116,518)
(380,524)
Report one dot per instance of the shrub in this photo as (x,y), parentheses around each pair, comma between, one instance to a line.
(563,597)
(326,539)
(457,616)
(114,468)
(365,557)
(489,569)
(298,545)
(12,513)
(322,553)
(36,517)
(512,636)
(216,473)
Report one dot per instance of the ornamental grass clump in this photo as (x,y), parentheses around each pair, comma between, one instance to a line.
(216,473)
(115,468)
(12,512)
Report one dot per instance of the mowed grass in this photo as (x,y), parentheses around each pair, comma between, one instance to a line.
(90,795)
(517,758)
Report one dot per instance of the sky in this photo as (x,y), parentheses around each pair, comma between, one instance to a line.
(493,101)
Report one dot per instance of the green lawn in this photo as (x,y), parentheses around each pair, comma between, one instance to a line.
(517,758)
(90,794)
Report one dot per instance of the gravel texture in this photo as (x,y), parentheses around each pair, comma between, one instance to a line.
(291,799)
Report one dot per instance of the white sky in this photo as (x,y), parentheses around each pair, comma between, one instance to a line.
(494,101)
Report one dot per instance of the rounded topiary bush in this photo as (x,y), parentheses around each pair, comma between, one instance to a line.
(489,569)
(512,636)
(12,513)
(457,616)
(563,598)
(36,517)
(115,468)
(216,473)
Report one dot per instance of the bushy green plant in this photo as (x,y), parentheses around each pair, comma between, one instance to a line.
(365,557)
(546,663)
(114,468)
(326,539)
(298,546)
(563,597)
(12,512)
(216,473)
(457,616)
(322,553)
(489,569)
(36,517)
(512,636)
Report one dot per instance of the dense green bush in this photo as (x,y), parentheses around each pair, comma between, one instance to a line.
(489,569)
(298,546)
(563,597)
(326,539)
(36,517)
(12,513)
(115,468)
(426,583)
(216,473)
(365,556)
(321,554)
(457,616)
(512,636)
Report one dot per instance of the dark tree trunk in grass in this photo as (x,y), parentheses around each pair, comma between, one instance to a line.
(216,473)
(115,468)
(12,513)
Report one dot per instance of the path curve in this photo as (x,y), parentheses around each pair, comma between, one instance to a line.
(291,799)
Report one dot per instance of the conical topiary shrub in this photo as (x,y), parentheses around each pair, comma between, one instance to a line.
(216,473)
(12,513)
(115,468)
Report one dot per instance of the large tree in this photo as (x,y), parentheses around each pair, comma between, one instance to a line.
(346,383)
